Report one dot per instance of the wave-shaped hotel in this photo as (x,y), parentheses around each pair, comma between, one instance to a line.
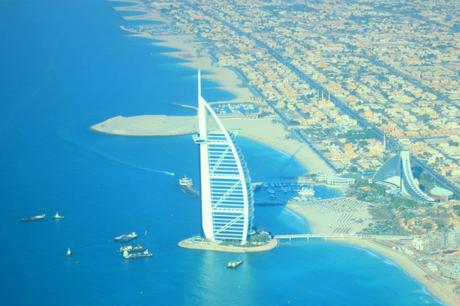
(227,201)
(397,171)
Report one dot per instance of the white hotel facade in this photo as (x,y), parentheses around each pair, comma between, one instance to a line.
(227,202)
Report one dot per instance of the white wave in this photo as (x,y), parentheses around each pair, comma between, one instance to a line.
(371,253)
(390,263)
(115,159)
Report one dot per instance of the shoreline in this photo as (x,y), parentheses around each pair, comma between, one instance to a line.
(193,54)
(188,49)
(229,81)
(226,79)
(405,263)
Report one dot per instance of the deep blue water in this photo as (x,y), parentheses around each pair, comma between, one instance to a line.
(65,65)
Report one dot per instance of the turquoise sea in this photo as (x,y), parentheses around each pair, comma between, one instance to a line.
(66,65)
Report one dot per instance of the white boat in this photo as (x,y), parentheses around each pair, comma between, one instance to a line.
(57,216)
(234,264)
(185,181)
(126,237)
(186,184)
(135,255)
(306,192)
(69,252)
(130,248)
(34,218)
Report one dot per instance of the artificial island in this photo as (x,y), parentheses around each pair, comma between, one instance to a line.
(227,200)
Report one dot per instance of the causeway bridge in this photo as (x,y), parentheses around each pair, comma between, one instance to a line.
(341,236)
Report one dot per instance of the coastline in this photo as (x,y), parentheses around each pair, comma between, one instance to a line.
(195,56)
(400,259)
(229,81)
(408,266)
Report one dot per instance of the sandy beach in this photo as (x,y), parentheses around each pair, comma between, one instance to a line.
(340,216)
(444,294)
(334,216)
(192,52)
(196,57)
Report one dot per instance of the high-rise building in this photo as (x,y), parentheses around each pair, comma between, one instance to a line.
(227,204)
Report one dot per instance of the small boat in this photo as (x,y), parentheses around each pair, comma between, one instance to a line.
(234,264)
(57,216)
(186,184)
(136,255)
(126,237)
(185,181)
(33,218)
(69,252)
(307,192)
(130,248)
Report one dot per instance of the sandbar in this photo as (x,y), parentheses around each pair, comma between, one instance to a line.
(266,131)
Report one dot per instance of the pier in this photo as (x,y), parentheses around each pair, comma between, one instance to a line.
(341,236)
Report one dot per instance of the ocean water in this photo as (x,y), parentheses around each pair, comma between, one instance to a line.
(66,65)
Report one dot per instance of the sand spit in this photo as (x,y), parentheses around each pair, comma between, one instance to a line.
(155,125)
(265,131)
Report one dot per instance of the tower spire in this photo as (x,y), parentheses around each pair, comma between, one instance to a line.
(199,84)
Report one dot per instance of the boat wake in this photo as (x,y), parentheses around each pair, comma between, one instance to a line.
(115,159)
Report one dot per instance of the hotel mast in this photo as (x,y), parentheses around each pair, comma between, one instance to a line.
(227,203)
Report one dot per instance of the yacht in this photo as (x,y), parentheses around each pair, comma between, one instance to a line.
(126,237)
(33,218)
(135,255)
(234,264)
(130,248)
(186,184)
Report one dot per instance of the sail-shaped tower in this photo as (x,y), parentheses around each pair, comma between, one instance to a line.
(227,204)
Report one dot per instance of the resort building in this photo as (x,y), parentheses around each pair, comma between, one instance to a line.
(397,171)
(227,204)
